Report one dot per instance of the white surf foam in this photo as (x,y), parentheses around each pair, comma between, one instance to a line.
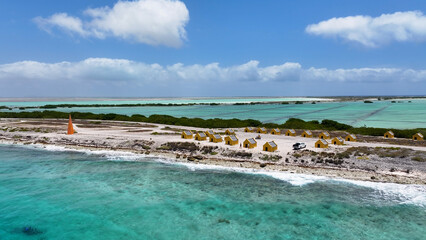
(407,193)
(108,154)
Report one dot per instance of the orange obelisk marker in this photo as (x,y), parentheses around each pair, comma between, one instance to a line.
(70,127)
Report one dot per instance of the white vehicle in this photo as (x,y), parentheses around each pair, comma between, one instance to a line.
(299,145)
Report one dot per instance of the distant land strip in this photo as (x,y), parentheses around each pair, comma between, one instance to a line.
(53,106)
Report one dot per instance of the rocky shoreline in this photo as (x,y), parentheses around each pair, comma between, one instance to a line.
(378,163)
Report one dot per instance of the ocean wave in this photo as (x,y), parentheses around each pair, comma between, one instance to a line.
(108,154)
(407,193)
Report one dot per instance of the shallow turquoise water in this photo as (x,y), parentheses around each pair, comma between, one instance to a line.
(72,195)
(378,114)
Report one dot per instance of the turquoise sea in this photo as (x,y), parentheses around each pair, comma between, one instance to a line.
(51,194)
(402,114)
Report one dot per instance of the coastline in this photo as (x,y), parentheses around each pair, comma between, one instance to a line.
(135,142)
(309,174)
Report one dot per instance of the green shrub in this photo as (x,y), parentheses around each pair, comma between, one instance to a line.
(292,123)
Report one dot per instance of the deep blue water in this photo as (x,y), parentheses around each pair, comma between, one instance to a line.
(74,195)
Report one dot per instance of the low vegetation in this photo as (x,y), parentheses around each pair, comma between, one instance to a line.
(292,123)
(238,154)
(179,146)
(271,158)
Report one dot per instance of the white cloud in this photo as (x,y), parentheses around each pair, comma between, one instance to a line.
(374,31)
(153,22)
(121,70)
(63,21)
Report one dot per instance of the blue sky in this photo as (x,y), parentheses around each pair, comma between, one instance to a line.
(152,48)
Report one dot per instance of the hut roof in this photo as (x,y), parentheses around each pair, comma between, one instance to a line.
(292,130)
(187,132)
(217,136)
(323,141)
(262,129)
(326,133)
(272,144)
(340,139)
(251,140)
(390,132)
(308,132)
(233,138)
(201,134)
(352,136)
(276,129)
(420,135)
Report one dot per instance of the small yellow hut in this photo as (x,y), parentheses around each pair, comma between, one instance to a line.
(261,130)
(350,138)
(338,141)
(307,134)
(321,143)
(276,131)
(230,132)
(216,138)
(270,146)
(187,134)
(250,143)
(200,136)
(209,133)
(324,135)
(248,129)
(231,140)
(389,134)
(418,137)
(290,132)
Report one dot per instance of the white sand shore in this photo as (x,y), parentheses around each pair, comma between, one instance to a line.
(149,139)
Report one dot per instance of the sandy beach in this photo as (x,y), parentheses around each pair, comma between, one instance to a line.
(369,159)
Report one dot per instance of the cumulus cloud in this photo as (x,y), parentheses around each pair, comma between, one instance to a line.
(374,31)
(122,77)
(122,70)
(153,22)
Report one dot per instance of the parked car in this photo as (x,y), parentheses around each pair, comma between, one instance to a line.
(299,145)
